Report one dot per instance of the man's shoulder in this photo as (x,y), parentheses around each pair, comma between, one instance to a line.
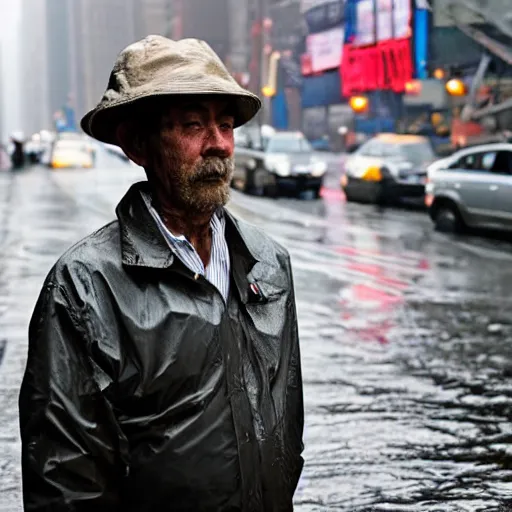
(92,253)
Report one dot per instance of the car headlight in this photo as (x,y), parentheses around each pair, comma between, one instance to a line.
(373,173)
(318,169)
(429,188)
(281,166)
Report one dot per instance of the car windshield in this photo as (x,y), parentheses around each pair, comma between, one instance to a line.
(293,144)
(418,153)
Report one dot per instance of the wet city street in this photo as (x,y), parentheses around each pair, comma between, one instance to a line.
(405,334)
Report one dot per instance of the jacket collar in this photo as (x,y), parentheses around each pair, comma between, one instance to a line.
(143,245)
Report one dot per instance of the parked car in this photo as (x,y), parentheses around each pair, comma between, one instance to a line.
(72,153)
(473,187)
(387,168)
(286,162)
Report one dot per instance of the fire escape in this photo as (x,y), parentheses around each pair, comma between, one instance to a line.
(492,31)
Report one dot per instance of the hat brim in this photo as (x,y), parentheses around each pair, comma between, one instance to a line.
(101,123)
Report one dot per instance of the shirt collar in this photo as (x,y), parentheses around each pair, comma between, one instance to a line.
(216,223)
(144,245)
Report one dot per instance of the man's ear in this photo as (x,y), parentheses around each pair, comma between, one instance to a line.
(131,144)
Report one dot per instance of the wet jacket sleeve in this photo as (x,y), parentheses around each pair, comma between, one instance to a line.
(68,429)
(294,396)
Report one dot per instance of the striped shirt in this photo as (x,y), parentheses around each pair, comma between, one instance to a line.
(218,269)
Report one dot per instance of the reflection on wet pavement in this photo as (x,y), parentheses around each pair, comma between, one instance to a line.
(407,359)
(405,335)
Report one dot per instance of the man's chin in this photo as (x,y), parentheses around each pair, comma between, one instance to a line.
(210,196)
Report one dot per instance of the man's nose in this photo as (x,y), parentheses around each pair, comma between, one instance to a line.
(219,142)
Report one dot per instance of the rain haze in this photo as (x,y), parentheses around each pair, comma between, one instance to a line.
(381,160)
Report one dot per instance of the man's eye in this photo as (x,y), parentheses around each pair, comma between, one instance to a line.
(192,124)
(227,126)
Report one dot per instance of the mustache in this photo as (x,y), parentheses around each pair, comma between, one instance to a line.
(212,168)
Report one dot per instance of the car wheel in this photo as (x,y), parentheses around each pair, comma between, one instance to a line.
(249,184)
(384,196)
(272,190)
(258,183)
(447,218)
(348,196)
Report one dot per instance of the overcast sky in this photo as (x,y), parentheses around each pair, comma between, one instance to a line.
(9,86)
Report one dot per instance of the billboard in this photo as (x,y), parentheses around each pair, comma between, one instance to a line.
(365,24)
(325,49)
(320,16)
(381,20)
(386,66)
(384,20)
(402,16)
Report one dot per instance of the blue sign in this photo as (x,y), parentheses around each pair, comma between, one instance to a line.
(421,31)
(321,90)
(350,20)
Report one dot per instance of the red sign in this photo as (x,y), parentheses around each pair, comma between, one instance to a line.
(385,66)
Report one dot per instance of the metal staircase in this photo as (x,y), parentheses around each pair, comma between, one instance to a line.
(488,23)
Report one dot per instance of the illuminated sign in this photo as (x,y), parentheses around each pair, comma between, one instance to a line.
(402,19)
(386,66)
(384,20)
(365,15)
(325,49)
(381,20)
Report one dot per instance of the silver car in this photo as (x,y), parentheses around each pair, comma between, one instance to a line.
(473,187)
(286,162)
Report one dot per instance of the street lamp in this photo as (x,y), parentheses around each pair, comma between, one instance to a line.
(358,104)
(269,89)
(455,87)
(439,73)
(413,87)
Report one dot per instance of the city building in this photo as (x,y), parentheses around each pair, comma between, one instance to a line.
(204,20)
(153,17)
(287,38)
(99,30)
(34,69)
(239,38)
(2,98)
(57,57)
(71,45)
(10,68)
(324,106)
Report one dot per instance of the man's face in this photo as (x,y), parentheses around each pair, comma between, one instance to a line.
(191,158)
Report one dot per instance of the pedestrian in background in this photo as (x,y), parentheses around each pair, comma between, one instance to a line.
(164,369)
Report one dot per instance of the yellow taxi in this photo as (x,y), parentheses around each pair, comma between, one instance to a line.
(387,168)
(72,154)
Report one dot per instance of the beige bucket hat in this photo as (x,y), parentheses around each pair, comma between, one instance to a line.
(157,66)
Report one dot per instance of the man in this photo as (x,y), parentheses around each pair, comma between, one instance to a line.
(164,370)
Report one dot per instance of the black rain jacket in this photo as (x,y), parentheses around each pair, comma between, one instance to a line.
(145,391)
